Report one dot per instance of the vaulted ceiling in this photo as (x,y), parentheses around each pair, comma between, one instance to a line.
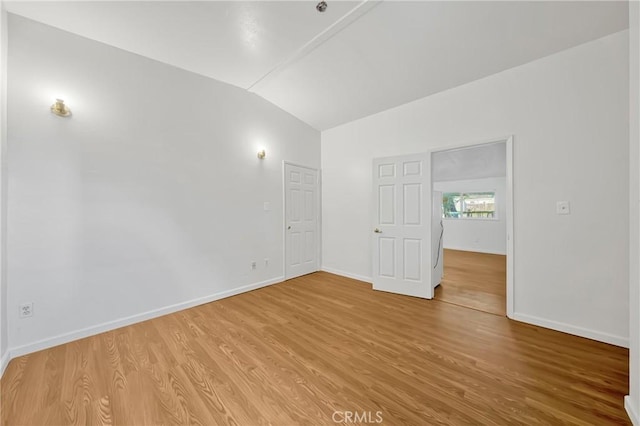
(356,59)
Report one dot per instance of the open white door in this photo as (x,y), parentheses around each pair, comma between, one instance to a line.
(301,220)
(401,225)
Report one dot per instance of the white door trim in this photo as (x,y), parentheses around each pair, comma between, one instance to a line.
(284,216)
(508,140)
(510,235)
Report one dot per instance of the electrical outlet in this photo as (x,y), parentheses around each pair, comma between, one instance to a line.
(26,310)
(253,265)
(266,262)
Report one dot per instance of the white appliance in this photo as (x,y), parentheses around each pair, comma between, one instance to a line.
(437,234)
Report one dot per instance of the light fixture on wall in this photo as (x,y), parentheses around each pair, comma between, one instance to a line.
(59,108)
(261,154)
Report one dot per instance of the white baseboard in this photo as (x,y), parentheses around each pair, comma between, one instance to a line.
(368,280)
(571,329)
(4,361)
(476,250)
(631,411)
(122,322)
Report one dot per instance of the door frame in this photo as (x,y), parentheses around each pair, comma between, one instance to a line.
(284,216)
(508,140)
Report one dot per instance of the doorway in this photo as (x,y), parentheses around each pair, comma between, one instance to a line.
(472,187)
(301,220)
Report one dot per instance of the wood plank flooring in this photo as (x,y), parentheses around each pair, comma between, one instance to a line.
(297,352)
(474,280)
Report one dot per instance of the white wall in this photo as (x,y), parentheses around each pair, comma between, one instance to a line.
(569,114)
(632,402)
(480,235)
(4,354)
(150,196)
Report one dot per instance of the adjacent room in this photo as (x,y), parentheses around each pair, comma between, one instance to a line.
(470,195)
(319,212)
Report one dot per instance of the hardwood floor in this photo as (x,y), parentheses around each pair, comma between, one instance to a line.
(297,352)
(474,280)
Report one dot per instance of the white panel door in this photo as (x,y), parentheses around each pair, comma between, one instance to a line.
(301,220)
(401,225)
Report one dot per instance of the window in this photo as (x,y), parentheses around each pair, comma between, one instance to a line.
(469,205)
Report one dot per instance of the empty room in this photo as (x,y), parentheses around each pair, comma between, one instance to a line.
(319,212)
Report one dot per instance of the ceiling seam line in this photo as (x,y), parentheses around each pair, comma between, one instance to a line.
(363,7)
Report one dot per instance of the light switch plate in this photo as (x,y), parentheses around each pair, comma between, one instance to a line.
(563,207)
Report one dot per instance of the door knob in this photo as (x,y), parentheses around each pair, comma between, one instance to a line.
(377,231)
(289,227)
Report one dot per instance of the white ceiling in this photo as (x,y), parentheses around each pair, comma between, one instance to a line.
(477,162)
(354,60)
(235,42)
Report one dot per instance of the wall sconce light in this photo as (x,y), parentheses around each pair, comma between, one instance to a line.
(59,108)
(262,154)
